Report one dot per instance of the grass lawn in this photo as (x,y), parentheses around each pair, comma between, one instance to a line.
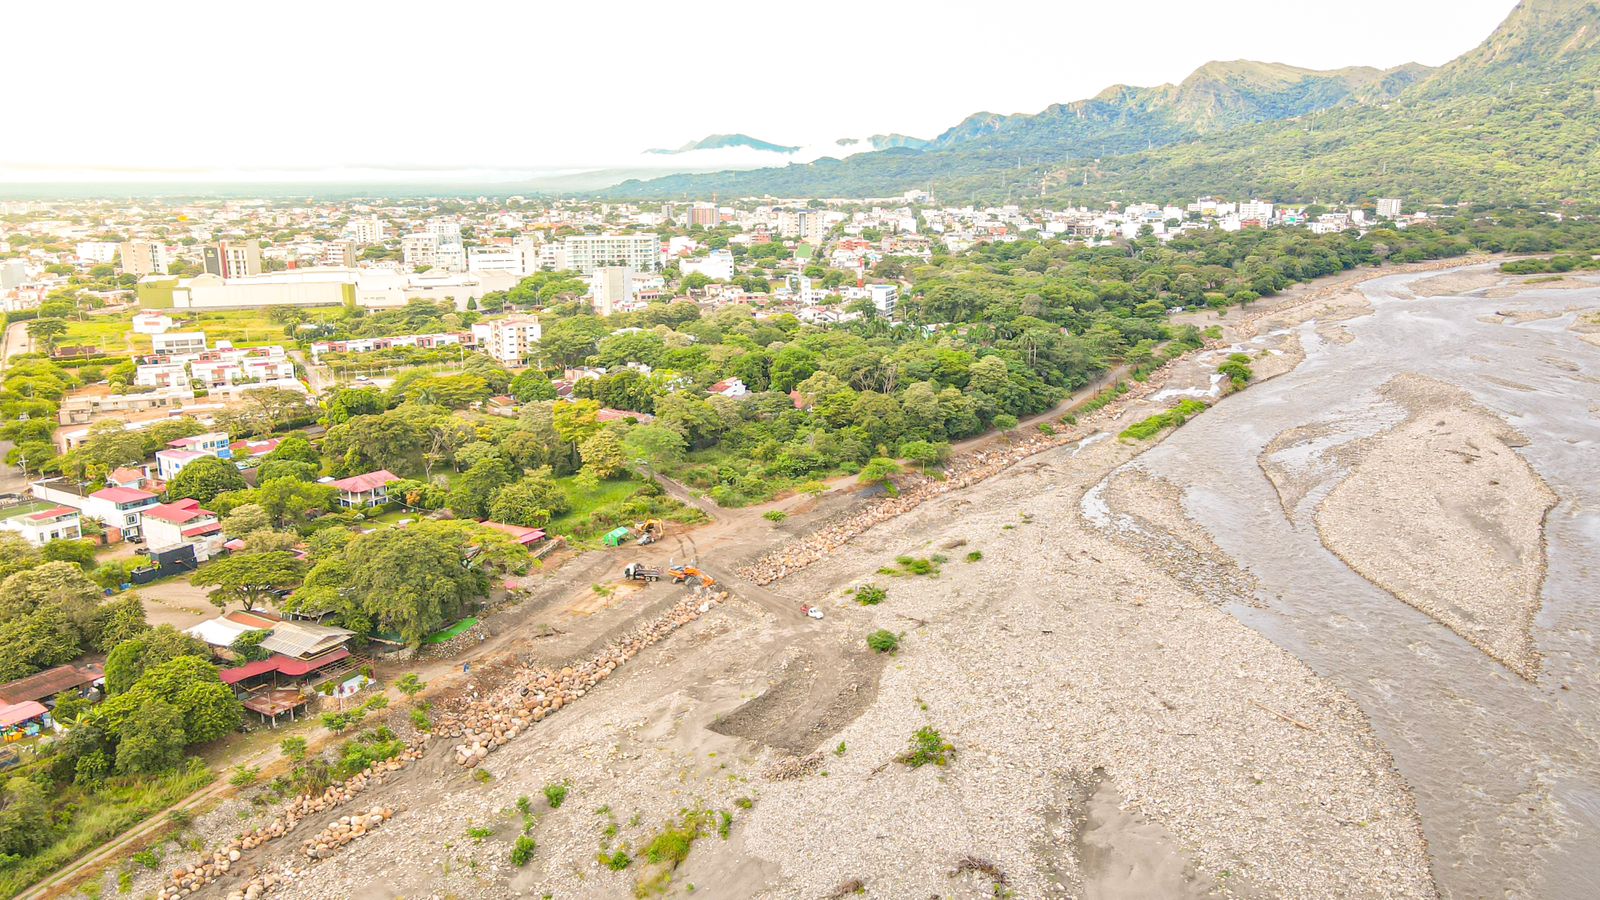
(623,501)
(243,327)
(392,518)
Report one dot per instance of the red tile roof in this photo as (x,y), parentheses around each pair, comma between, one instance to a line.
(17,713)
(56,513)
(280,663)
(124,475)
(122,495)
(48,683)
(199,530)
(178,511)
(361,484)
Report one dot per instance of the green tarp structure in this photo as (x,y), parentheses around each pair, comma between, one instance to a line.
(616,536)
(439,637)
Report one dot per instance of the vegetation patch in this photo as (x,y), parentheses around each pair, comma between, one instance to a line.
(1172,418)
(927,747)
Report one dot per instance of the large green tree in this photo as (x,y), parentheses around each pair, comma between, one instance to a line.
(248,578)
(205,478)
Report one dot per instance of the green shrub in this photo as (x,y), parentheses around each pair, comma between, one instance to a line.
(294,748)
(555,795)
(883,641)
(974,556)
(774,515)
(871,595)
(244,776)
(478,835)
(927,746)
(617,861)
(522,850)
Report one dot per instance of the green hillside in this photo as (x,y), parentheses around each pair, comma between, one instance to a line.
(1515,119)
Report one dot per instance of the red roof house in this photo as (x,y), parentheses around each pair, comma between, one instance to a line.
(369,489)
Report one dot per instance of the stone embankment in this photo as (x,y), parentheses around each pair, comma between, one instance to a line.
(480,724)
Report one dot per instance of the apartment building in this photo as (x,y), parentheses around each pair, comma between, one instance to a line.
(1389,208)
(144,258)
(419,249)
(369,230)
(340,254)
(809,225)
(587,252)
(611,289)
(232,259)
(178,343)
(509,340)
(885,297)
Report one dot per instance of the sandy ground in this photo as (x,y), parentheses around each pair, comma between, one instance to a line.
(1442,512)
(1515,285)
(1116,731)
(1456,283)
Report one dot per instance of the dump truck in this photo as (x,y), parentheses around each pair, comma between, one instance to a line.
(640,572)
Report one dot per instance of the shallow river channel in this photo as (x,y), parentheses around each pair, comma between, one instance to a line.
(1506,771)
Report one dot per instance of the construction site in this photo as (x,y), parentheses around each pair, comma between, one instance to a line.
(1090,687)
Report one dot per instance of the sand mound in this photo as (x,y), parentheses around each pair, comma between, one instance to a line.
(1454,283)
(1440,511)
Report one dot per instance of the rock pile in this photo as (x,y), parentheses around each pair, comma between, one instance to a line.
(484,725)
(343,831)
(480,724)
(962,471)
(190,879)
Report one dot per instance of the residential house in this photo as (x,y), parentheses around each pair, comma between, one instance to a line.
(729,387)
(39,523)
(170,525)
(119,509)
(181,452)
(369,489)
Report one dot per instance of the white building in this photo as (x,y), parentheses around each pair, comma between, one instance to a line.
(369,230)
(1255,209)
(508,340)
(718,266)
(117,508)
(178,343)
(97,252)
(885,297)
(809,225)
(516,260)
(587,252)
(183,451)
(152,322)
(420,249)
(1389,208)
(41,526)
(339,253)
(611,289)
(181,522)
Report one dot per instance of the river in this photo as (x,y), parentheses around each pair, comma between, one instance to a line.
(1506,771)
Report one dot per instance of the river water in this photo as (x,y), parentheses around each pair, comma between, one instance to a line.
(1506,771)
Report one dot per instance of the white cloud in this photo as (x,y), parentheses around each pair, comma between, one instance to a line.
(167,89)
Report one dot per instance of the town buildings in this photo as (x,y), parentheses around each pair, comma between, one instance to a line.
(233,259)
(144,258)
(508,340)
(587,252)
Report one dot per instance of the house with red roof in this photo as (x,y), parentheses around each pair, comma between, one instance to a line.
(39,523)
(119,509)
(729,387)
(369,489)
(181,522)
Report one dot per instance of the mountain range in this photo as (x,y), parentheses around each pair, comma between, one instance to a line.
(1513,119)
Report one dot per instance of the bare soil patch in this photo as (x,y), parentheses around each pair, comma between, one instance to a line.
(1443,513)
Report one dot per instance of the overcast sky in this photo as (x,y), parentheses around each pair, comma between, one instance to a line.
(154,89)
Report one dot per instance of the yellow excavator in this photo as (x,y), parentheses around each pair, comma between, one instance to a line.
(681,574)
(650,531)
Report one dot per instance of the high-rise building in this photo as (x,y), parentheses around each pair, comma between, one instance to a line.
(420,249)
(233,259)
(509,340)
(884,298)
(144,258)
(587,252)
(1255,209)
(339,253)
(97,252)
(367,230)
(446,231)
(704,214)
(610,288)
(1388,208)
(808,225)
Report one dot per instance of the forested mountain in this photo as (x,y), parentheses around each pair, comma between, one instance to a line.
(1514,119)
